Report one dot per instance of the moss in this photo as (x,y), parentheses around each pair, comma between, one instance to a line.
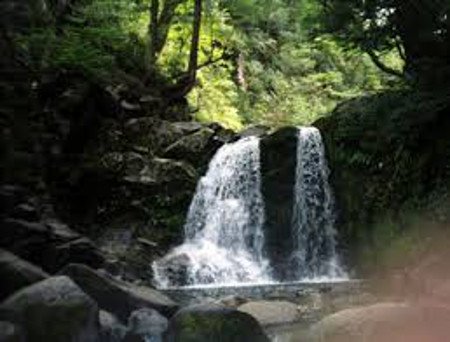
(387,154)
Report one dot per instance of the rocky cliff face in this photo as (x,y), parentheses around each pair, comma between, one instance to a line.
(116,171)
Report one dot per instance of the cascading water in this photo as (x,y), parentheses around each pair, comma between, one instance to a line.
(314,255)
(223,231)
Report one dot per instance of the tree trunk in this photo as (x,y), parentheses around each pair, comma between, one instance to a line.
(195,42)
(153,33)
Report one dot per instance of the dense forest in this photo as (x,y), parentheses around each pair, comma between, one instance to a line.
(111,110)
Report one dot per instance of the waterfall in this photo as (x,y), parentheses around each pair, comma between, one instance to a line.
(314,254)
(223,231)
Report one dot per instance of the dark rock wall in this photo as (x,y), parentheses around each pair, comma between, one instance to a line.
(278,163)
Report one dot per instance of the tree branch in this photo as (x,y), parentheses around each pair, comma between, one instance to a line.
(383,67)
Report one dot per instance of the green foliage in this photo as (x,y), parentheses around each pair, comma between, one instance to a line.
(417,29)
(97,38)
(261,61)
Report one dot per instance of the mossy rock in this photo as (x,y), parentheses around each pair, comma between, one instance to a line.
(206,323)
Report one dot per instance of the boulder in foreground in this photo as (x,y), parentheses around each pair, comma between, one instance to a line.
(384,322)
(212,322)
(118,297)
(53,310)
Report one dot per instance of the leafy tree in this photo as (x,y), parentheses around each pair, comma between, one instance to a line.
(418,29)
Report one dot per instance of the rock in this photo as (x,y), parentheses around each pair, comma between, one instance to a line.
(384,322)
(278,163)
(116,296)
(16,273)
(154,133)
(175,268)
(191,148)
(14,230)
(232,301)
(50,245)
(82,250)
(10,196)
(208,322)
(269,313)
(10,332)
(26,212)
(256,130)
(61,232)
(187,127)
(54,310)
(146,324)
(29,240)
(159,171)
(111,330)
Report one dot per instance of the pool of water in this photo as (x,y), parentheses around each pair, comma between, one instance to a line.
(314,300)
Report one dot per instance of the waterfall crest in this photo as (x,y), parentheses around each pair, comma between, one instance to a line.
(223,230)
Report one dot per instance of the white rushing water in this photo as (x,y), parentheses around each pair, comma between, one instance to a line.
(223,231)
(313,222)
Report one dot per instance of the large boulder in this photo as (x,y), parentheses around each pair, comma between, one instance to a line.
(384,322)
(54,310)
(278,163)
(211,322)
(269,313)
(118,297)
(16,273)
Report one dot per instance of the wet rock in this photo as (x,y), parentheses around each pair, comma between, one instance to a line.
(175,268)
(209,322)
(278,163)
(54,309)
(146,324)
(16,273)
(384,322)
(269,313)
(118,297)
(111,330)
